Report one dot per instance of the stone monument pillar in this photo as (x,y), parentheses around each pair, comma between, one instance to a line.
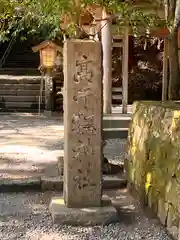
(82,123)
(83,137)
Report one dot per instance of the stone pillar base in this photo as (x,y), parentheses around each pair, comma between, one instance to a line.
(90,216)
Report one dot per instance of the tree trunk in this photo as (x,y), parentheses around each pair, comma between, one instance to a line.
(172,16)
(174,83)
(165,71)
(131,53)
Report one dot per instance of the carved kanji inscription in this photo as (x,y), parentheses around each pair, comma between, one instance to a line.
(83,71)
(83,96)
(83,148)
(82,123)
(82,116)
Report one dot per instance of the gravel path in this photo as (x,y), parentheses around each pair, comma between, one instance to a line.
(26,217)
(30,146)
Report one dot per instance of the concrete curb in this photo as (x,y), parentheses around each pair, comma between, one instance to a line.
(20,185)
(51,184)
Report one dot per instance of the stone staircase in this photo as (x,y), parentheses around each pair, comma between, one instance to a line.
(115,132)
(20,93)
(19,77)
(116,126)
(19,72)
(19,56)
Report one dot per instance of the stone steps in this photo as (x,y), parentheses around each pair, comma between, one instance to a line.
(116,126)
(21,110)
(20,93)
(20,86)
(20,55)
(27,99)
(18,104)
(110,133)
(116,120)
(19,80)
(20,71)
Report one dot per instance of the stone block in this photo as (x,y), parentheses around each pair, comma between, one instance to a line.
(47,113)
(82,123)
(52,114)
(149,198)
(172,222)
(89,216)
(52,183)
(174,231)
(162,211)
(51,170)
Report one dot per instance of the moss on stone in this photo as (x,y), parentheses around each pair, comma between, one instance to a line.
(154,150)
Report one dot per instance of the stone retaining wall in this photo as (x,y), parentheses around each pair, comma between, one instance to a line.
(154,160)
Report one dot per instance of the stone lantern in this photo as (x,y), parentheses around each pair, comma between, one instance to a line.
(50,54)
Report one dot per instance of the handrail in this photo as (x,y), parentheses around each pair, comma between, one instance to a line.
(8,49)
(41,93)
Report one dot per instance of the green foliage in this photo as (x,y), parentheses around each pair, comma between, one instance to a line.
(42,17)
(36,18)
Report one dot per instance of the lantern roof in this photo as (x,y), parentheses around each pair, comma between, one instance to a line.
(46,44)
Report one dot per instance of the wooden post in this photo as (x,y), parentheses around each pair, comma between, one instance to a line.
(106,38)
(125,70)
(165,72)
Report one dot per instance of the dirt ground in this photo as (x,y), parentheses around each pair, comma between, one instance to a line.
(30,145)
